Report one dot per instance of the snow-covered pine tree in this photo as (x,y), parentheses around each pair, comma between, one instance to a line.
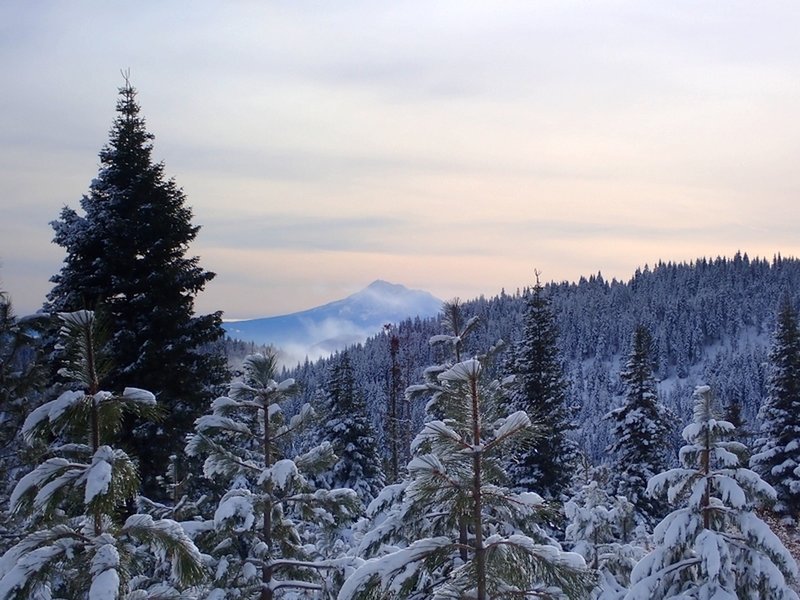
(456,477)
(76,548)
(777,452)
(127,255)
(260,552)
(713,545)
(348,429)
(639,429)
(602,529)
(459,328)
(539,388)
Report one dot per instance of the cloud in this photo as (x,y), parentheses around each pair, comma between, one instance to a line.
(451,146)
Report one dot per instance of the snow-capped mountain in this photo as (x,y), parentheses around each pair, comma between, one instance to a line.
(322,330)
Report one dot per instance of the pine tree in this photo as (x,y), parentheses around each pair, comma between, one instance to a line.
(539,389)
(127,257)
(713,545)
(348,429)
(76,546)
(639,429)
(260,552)
(777,456)
(456,477)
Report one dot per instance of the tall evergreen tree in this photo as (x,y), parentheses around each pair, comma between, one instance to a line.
(539,389)
(639,429)
(127,256)
(777,457)
(713,545)
(348,429)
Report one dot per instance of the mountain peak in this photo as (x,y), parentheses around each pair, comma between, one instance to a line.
(321,330)
(382,285)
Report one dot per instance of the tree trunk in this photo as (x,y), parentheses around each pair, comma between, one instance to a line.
(94,387)
(266,570)
(477,508)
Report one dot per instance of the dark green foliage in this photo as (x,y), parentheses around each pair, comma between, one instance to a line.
(21,384)
(540,389)
(777,457)
(127,255)
(639,429)
(348,429)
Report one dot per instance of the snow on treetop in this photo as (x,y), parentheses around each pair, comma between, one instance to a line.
(463,371)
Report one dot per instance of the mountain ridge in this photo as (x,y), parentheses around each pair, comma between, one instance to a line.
(319,331)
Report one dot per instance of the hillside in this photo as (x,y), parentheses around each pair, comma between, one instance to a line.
(711,321)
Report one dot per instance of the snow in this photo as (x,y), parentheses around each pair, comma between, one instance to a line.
(98,477)
(139,396)
(50,411)
(105,579)
(513,423)
(105,586)
(78,318)
(467,370)
(280,474)
(237,506)
(387,568)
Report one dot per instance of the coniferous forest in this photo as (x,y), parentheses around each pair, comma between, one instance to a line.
(595,439)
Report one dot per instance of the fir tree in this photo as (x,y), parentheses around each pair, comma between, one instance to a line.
(639,428)
(349,431)
(713,545)
(456,477)
(76,547)
(127,255)
(539,389)
(777,456)
(259,550)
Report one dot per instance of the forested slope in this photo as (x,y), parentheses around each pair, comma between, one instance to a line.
(711,322)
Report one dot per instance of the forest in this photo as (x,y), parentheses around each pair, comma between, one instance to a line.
(592,439)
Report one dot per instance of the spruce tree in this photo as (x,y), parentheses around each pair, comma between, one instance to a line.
(76,546)
(639,429)
(777,455)
(713,545)
(348,429)
(126,256)
(539,388)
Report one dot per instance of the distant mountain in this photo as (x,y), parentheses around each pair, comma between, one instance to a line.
(320,331)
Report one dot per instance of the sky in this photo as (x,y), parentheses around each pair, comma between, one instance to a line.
(451,146)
